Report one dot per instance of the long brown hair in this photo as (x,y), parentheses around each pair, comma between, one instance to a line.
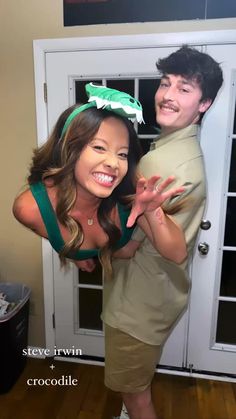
(57,158)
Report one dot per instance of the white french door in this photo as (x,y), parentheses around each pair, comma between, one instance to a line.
(78,296)
(212,326)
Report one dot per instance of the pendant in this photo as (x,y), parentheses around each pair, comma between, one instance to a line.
(90,221)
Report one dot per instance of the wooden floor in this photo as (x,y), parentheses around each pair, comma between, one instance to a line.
(175,397)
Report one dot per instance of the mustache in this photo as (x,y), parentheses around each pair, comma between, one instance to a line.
(169,104)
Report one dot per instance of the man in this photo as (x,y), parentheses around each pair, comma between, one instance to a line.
(149,293)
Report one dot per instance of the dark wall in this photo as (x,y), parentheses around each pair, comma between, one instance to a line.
(86,12)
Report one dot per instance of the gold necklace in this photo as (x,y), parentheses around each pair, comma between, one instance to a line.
(90,221)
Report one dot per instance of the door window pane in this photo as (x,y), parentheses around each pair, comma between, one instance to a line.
(228,275)
(230,227)
(90,308)
(91,278)
(125,85)
(80,93)
(232,177)
(147,90)
(235,121)
(226,325)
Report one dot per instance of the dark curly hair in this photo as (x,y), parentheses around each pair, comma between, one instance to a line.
(194,65)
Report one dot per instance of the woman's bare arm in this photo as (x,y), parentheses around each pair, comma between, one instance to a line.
(26,211)
(166,236)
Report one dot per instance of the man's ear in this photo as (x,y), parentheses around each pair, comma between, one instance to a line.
(204,105)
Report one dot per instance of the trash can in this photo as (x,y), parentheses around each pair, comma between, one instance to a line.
(13,334)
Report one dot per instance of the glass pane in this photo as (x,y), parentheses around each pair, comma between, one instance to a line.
(147,90)
(125,85)
(92,278)
(90,308)
(226,324)
(145,144)
(232,176)
(230,227)
(80,93)
(228,275)
(235,120)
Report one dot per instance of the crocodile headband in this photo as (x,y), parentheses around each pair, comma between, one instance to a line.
(110,99)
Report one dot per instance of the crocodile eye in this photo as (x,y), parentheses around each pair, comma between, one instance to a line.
(132,100)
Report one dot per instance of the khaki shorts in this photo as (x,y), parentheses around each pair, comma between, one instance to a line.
(129,363)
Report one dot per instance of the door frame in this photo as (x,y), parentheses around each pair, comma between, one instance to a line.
(43,46)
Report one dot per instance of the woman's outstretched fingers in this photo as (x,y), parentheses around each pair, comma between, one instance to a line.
(141,185)
(151,182)
(162,185)
(173,192)
(150,195)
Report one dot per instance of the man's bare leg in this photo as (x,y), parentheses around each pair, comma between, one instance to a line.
(139,405)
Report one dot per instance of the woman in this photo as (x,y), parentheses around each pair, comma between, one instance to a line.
(78,182)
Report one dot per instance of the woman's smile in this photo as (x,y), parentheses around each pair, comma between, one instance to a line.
(104,179)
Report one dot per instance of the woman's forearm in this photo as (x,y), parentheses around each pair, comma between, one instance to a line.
(166,236)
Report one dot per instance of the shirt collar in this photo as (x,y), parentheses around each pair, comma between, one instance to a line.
(180,134)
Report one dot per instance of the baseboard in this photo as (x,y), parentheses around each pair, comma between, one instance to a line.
(42,353)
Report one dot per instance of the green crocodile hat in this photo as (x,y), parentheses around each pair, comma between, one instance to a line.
(113,100)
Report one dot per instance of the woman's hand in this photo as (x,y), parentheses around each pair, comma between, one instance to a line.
(149,196)
(87,265)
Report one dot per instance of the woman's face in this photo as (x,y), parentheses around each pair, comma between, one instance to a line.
(103,162)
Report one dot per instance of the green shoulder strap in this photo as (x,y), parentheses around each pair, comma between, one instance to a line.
(48,215)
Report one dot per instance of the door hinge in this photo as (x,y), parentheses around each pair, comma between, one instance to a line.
(53,320)
(45,92)
(190,368)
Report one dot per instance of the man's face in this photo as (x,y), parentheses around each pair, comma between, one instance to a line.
(178,103)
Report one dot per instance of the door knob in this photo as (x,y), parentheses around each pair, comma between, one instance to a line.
(203,248)
(205,224)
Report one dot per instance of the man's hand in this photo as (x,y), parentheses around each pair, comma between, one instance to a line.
(127,251)
(149,196)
